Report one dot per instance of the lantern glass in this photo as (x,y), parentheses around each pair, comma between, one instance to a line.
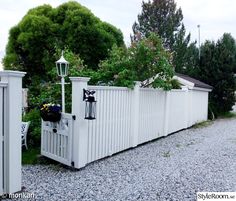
(90,109)
(58,69)
(62,67)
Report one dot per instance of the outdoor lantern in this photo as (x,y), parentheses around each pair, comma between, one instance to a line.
(62,66)
(62,71)
(90,104)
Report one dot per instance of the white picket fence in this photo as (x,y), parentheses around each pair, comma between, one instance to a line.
(125,118)
(10,131)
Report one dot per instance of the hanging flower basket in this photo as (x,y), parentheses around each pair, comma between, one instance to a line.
(50,112)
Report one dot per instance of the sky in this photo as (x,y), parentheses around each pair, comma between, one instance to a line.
(215,17)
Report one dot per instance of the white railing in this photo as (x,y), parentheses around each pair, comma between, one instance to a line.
(125,118)
(10,133)
(56,139)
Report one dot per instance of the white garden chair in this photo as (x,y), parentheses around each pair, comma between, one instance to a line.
(24,131)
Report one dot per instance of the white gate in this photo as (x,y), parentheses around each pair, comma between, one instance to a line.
(2,134)
(56,139)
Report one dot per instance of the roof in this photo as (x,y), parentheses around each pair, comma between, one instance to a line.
(196,82)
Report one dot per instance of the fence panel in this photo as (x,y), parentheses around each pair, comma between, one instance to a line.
(56,139)
(178,110)
(151,114)
(199,106)
(111,131)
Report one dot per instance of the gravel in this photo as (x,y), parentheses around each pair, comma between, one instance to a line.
(171,168)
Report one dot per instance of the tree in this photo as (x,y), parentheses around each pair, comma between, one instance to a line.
(187,59)
(216,68)
(145,60)
(163,18)
(33,42)
(160,17)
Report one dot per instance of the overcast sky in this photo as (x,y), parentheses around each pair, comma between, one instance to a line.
(214,16)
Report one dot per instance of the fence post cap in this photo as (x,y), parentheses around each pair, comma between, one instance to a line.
(11,73)
(80,79)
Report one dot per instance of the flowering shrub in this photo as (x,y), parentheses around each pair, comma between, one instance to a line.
(49,107)
(50,112)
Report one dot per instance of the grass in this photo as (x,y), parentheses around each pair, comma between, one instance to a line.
(203,124)
(166,154)
(30,156)
(228,115)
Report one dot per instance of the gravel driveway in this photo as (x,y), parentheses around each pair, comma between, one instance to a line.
(171,168)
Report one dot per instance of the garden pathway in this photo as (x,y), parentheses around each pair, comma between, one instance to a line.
(171,168)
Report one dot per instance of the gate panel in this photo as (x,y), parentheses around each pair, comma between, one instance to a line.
(56,139)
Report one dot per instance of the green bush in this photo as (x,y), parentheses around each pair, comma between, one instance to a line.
(175,84)
(34,134)
(143,60)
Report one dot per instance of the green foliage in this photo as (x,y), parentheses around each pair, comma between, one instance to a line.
(189,62)
(175,84)
(34,133)
(164,19)
(50,92)
(30,156)
(216,68)
(203,124)
(160,17)
(34,41)
(143,60)
(228,115)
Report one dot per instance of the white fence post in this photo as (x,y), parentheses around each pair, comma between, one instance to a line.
(135,114)
(80,134)
(166,115)
(12,138)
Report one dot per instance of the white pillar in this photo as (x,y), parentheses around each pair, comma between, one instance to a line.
(135,114)
(80,134)
(12,138)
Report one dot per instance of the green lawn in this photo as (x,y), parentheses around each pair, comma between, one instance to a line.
(30,156)
(228,115)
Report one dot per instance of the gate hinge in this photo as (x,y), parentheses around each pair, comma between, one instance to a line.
(74,117)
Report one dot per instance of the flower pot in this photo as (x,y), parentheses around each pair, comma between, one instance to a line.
(50,116)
